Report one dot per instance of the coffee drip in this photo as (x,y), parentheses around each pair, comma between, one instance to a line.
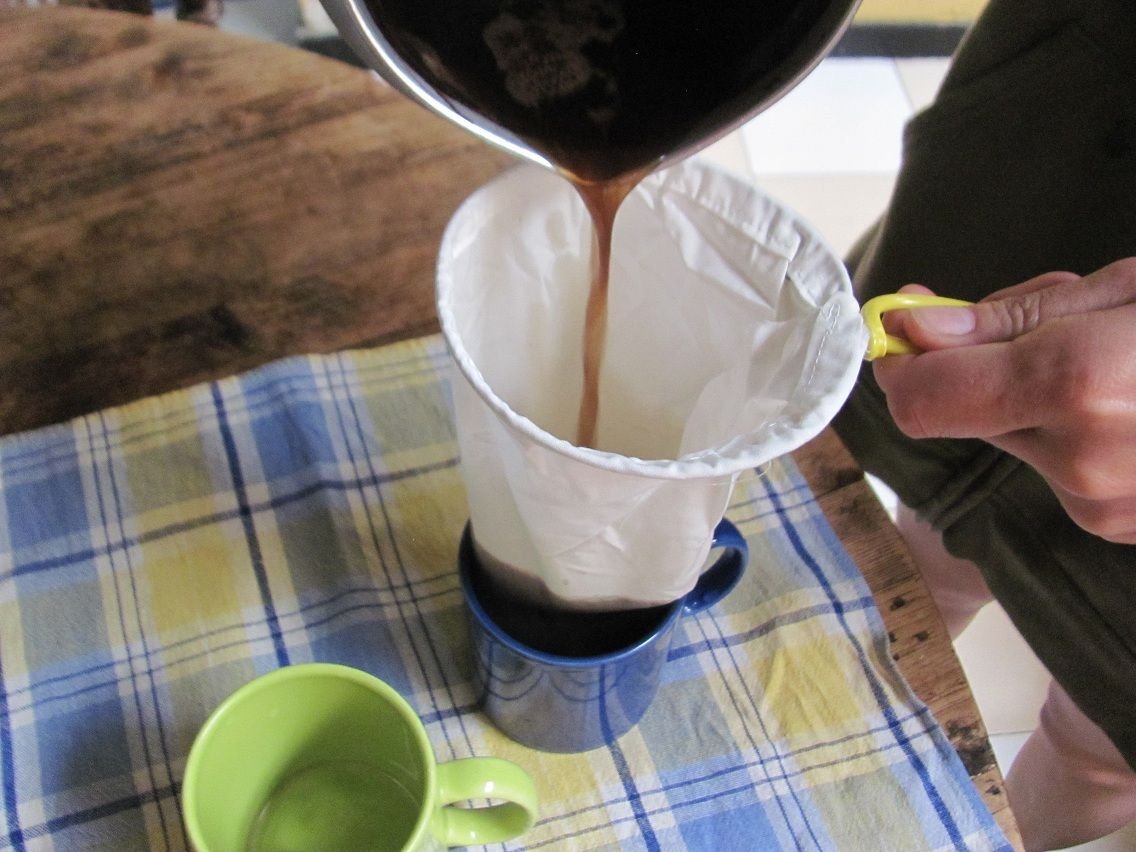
(607,90)
(602,201)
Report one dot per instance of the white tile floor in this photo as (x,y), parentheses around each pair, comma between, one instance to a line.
(830,150)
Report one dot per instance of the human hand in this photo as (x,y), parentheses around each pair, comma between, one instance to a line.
(1046,371)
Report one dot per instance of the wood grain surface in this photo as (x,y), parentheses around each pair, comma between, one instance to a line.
(181,204)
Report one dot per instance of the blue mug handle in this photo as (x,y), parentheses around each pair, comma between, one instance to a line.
(719,579)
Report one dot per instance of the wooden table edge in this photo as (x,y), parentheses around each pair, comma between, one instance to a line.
(924,655)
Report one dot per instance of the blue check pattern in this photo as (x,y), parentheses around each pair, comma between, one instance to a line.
(155,557)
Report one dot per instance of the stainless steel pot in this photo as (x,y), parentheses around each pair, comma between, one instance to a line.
(806,29)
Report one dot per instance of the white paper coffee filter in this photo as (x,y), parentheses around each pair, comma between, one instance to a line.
(733,338)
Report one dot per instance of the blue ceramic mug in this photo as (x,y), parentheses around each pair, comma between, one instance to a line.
(572,681)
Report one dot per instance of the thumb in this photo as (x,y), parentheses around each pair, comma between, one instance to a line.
(1018,310)
(1005,315)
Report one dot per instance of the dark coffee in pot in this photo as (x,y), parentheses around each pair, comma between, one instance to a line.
(606,88)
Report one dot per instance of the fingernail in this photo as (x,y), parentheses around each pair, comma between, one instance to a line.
(946,320)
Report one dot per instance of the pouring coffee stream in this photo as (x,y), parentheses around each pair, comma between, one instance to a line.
(603,92)
(602,201)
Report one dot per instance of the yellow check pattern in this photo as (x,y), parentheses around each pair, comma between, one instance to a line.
(155,557)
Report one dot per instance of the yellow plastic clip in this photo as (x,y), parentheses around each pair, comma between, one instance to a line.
(880,343)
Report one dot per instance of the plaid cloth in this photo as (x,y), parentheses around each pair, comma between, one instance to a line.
(155,557)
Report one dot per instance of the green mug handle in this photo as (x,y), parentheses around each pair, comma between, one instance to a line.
(483,778)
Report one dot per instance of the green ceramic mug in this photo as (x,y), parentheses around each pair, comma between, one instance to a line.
(321,756)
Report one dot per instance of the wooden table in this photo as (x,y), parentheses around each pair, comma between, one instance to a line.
(181,204)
